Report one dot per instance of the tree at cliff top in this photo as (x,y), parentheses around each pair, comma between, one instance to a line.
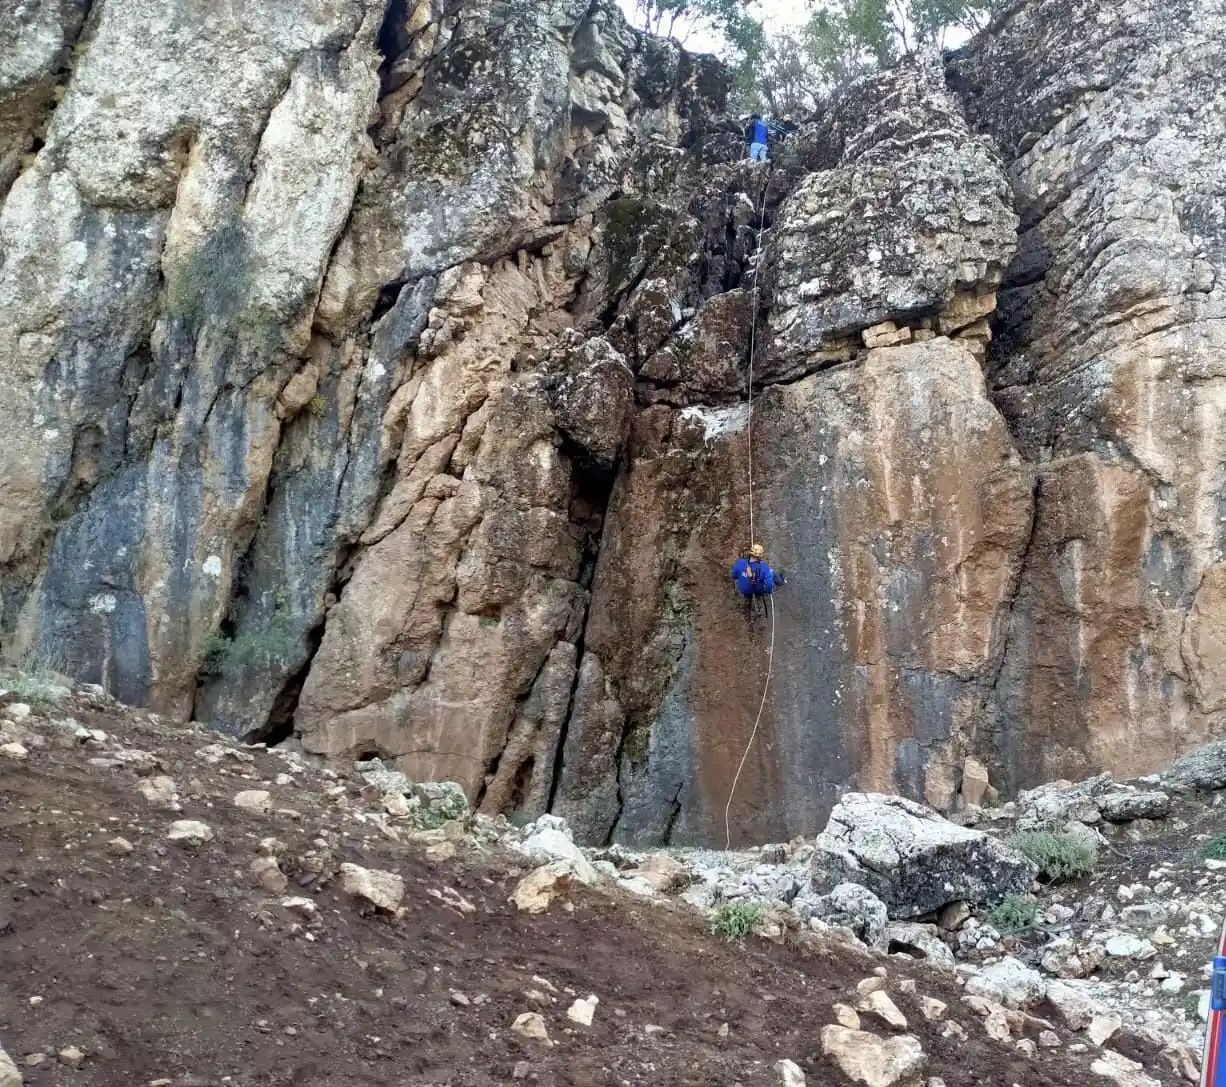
(729,19)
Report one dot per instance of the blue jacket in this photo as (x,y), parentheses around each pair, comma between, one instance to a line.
(757,132)
(753,577)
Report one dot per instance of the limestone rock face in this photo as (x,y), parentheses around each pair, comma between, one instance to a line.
(1108,364)
(377,375)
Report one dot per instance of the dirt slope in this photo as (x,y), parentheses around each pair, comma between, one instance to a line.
(173,964)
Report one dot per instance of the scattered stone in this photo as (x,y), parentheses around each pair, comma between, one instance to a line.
(268,874)
(72,1057)
(254,800)
(17,711)
(271,847)
(189,832)
(880,1005)
(931,1008)
(119,847)
(1115,1066)
(1076,1008)
(975,782)
(537,890)
(303,907)
(1103,1028)
(583,1011)
(160,790)
(1049,1039)
(459,999)
(1026,1047)
(1127,946)
(382,889)
(790,1074)
(865,1058)
(531,1025)
(851,906)
(847,1016)
(923,941)
(875,984)
(1010,983)
(15,751)
(550,843)
(954,916)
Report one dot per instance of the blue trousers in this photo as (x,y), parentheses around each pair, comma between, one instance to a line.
(757,152)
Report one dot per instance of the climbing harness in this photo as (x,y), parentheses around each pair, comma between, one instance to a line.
(770,605)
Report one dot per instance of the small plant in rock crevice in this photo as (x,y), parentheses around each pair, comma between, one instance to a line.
(1013,914)
(1060,857)
(736,920)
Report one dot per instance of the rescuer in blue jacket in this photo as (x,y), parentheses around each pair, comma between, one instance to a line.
(757,135)
(753,577)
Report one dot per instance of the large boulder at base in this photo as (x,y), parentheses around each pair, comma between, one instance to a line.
(912,859)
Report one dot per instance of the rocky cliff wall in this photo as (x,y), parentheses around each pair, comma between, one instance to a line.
(376,375)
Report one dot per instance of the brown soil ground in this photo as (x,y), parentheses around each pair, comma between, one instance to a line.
(171,964)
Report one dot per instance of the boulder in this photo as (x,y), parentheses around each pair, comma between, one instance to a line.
(384,890)
(911,859)
(875,1062)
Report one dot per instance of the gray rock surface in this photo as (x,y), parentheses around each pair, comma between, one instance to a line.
(912,859)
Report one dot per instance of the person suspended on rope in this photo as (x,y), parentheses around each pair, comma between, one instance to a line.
(757,135)
(753,575)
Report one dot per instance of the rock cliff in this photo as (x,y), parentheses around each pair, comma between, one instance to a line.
(376,375)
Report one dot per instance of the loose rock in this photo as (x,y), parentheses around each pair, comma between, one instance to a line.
(870,1060)
(189,832)
(382,889)
(531,1025)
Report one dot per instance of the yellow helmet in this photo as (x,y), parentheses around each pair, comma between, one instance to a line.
(758,551)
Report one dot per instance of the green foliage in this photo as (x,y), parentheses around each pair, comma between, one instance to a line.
(846,38)
(1015,913)
(317,405)
(262,647)
(1214,849)
(41,679)
(1060,857)
(736,920)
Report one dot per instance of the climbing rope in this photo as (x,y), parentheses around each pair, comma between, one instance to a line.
(753,335)
(770,667)
(770,606)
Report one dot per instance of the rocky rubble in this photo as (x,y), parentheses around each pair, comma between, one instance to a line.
(1095,979)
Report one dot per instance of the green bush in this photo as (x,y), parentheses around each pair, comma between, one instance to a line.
(1060,857)
(1214,849)
(261,647)
(736,920)
(1016,913)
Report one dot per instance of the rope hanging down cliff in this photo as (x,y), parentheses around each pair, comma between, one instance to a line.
(770,606)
